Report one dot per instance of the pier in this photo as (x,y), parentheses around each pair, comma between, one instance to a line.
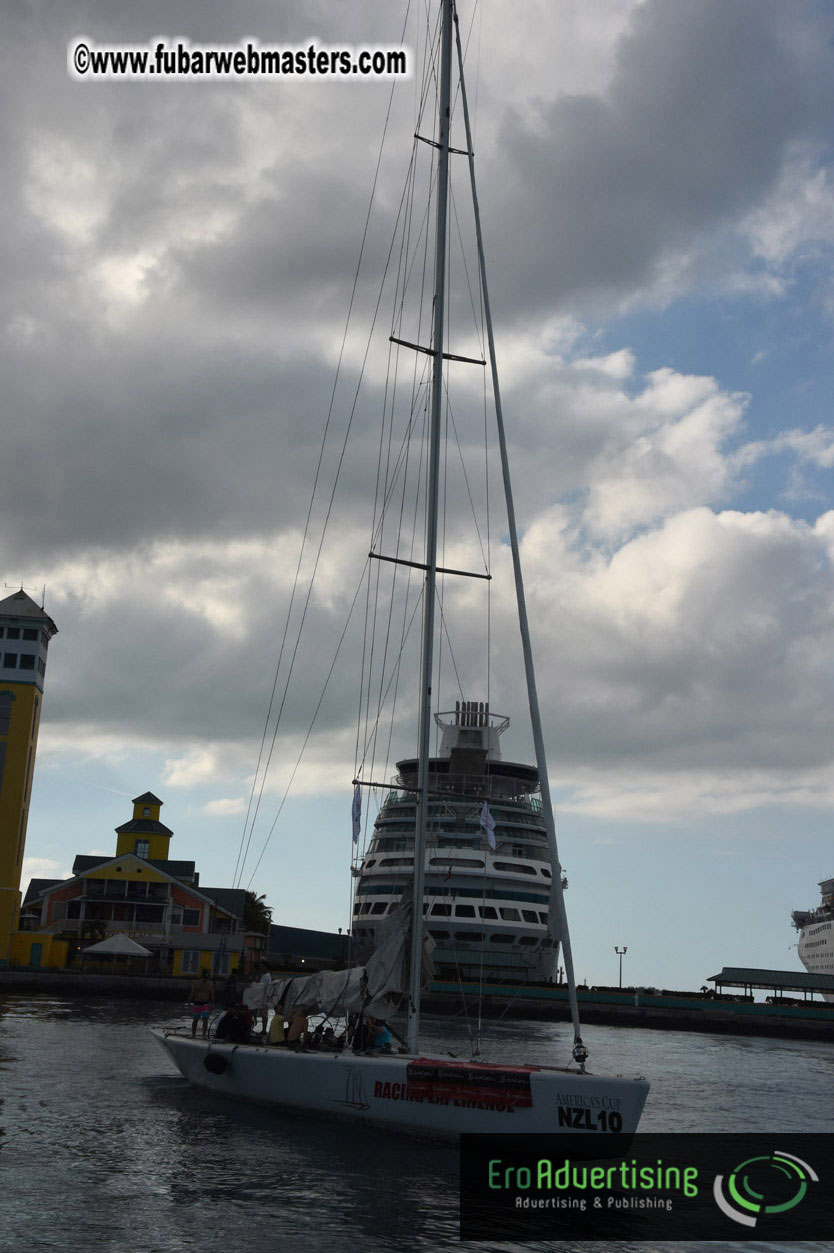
(636,1007)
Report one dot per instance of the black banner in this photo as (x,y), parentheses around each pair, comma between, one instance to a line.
(647,1187)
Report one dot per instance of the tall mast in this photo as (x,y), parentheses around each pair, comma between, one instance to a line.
(580,1052)
(415,973)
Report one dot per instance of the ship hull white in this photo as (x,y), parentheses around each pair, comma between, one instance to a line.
(431,1098)
(815,947)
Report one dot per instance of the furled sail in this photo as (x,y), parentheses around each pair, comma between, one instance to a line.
(374,988)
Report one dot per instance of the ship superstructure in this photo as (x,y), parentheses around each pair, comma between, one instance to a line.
(816,933)
(487,888)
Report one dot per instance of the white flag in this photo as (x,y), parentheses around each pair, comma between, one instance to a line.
(488,824)
(356,812)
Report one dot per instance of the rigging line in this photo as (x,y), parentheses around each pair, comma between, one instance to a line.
(409,584)
(362,673)
(395,354)
(478,327)
(406,622)
(445,632)
(394,670)
(451,420)
(404,219)
(316,480)
(450,897)
(418,389)
(402,456)
(405,628)
(312,722)
(320,547)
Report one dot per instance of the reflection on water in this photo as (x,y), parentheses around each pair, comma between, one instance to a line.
(101,1140)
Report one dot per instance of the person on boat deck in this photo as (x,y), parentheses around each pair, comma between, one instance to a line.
(230,991)
(317,1039)
(298,1028)
(361,1032)
(276,1028)
(265,979)
(201,997)
(381,1039)
(242,1022)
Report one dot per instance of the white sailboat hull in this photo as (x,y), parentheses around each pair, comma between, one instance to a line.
(433,1098)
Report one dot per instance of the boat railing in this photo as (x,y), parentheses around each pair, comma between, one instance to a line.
(489,787)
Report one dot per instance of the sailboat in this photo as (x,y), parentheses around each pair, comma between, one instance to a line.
(408,1091)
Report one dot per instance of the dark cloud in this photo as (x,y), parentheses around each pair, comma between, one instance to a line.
(691,135)
(178,264)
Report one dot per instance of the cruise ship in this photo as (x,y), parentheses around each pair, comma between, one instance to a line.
(487,888)
(816,933)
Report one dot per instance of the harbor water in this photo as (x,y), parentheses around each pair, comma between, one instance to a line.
(103,1144)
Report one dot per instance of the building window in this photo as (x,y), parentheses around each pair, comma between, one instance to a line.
(220,964)
(6,699)
(27,661)
(191,917)
(29,633)
(146,812)
(9,661)
(190,961)
(12,633)
(141,848)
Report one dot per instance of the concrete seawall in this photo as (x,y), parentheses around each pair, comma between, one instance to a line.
(812,1021)
(82,983)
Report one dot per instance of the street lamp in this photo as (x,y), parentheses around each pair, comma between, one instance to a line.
(620,953)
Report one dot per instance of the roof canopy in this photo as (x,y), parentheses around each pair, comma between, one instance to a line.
(751,977)
(118,946)
(21,605)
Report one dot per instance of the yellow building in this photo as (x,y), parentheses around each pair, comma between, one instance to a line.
(144,895)
(25,632)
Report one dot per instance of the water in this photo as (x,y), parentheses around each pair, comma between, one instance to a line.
(102,1143)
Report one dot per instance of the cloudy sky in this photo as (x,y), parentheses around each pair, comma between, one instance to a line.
(656,186)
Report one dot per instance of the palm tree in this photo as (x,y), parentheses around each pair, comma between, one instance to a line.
(94,929)
(257,915)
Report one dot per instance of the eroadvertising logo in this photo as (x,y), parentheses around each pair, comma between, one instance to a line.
(782,1178)
(646,1187)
